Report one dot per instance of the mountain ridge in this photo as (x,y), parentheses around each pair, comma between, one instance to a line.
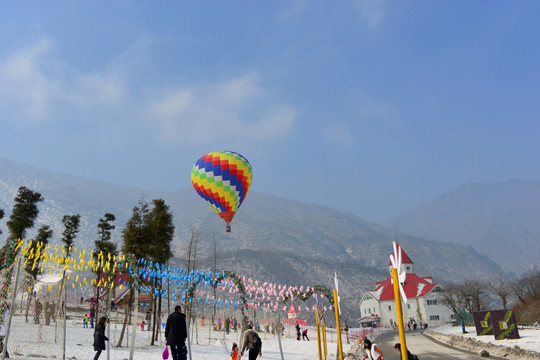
(269,233)
(491,218)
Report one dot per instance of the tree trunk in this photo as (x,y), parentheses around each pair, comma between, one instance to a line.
(126,317)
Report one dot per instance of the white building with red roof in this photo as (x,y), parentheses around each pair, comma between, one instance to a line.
(423,305)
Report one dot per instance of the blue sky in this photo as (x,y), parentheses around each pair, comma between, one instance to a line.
(372,107)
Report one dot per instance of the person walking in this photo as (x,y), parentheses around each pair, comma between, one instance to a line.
(85,321)
(91,315)
(297,327)
(148,319)
(99,337)
(38,309)
(409,355)
(48,311)
(372,351)
(176,333)
(252,342)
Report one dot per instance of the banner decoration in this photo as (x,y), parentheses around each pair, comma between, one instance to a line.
(126,271)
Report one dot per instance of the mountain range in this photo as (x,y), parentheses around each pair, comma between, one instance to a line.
(500,220)
(272,239)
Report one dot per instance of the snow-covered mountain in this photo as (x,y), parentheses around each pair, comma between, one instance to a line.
(272,239)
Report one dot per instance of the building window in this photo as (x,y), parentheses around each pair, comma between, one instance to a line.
(434,317)
(408,268)
(389,308)
(432,302)
(453,316)
(437,289)
(408,306)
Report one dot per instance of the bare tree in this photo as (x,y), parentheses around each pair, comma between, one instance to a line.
(473,291)
(191,261)
(501,287)
(527,288)
(453,299)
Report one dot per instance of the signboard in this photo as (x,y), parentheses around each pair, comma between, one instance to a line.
(482,322)
(504,324)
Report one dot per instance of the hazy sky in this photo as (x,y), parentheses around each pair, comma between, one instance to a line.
(372,107)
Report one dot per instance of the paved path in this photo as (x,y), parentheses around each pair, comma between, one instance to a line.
(421,346)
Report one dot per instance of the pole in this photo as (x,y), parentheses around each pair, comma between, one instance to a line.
(109,322)
(65,315)
(8,327)
(323,329)
(134,319)
(399,314)
(279,332)
(318,333)
(188,342)
(338,328)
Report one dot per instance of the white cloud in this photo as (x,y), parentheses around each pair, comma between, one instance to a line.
(33,83)
(338,134)
(22,83)
(238,108)
(371,11)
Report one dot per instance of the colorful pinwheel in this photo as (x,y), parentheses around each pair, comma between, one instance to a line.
(395,259)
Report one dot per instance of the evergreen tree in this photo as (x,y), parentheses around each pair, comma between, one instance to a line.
(104,243)
(106,246)
(33,265)
(43,236)
(161,232)
(135,235)
(71,228)
(25,212)
(135,241)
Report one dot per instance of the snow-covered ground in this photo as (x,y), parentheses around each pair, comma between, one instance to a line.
(28,340)
(529,336)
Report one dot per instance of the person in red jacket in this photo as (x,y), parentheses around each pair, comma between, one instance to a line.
(234,351)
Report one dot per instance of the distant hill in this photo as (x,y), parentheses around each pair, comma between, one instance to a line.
(272,239)
(500,220)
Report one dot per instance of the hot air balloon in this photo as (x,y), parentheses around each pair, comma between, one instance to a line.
(222,179)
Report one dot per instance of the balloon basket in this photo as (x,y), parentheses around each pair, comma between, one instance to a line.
(228,228)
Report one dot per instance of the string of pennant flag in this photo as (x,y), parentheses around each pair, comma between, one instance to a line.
(150,277)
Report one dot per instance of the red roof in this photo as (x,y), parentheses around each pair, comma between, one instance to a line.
(293,310)
(415,286)
(405,259)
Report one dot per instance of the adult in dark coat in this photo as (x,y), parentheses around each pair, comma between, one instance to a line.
(99,337)
(176,333)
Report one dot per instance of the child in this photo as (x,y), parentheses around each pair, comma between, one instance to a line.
(85,321)
(234,352)
(142,325)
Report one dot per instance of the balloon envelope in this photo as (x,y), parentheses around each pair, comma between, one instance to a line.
(222,179)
